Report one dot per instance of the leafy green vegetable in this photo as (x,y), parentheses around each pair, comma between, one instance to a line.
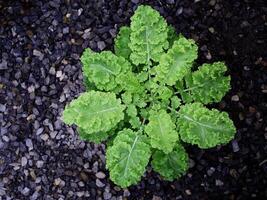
(161,131)
(176,63)
(94,111)
(93,137)
(208,84)
(204,127)
(146,98)
(122,42)
(123,158)
(148,37)
(171,165)
(103,69)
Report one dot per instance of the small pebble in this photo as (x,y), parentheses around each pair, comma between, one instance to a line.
(39,163)
(218,182)
(188,192)
(156,197)
(25,191)
(235,146)
(29,144)
(57,181)
(100,175)
(107,195)
(44,137)
(235,98)
(101,45)
(24,161)
(99,183)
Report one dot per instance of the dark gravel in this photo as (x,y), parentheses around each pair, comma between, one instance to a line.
(40,45)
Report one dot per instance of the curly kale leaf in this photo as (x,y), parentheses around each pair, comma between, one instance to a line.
(132,116)
(172,165)
(148,36)
(124,162)
(161,131)
(103,68)
(177,62)
(122,42)
(93,137)
(203,127)
(129,82)
(94,111)
(208,84)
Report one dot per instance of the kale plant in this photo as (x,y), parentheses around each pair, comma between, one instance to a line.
(146,99)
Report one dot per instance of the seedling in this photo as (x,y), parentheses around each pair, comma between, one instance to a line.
(146,99)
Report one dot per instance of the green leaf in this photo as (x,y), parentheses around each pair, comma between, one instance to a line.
(175,102)
(203,127)
(94,111)
(93,137)
(172,165)
(161,131)
(164,92)
(172,35)
(122,42)
(132,114)
(180,86)
(129,82)
(124,162)
(103,68)
(209,84)
(148,36)
(177,62)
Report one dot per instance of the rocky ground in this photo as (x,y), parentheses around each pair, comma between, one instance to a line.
(40,72)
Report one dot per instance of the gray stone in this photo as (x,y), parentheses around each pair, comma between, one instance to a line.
(218,182)
(126,193)
(100,175)
(38,54)
(101,45)
(24,161)
(3,65)
(235,146)
(99,183)
(107,195)
(235,98)
(25,191)
(39,163)
(66,30)
(44,137)
(2,108)
(210,171)
(29,144)
(39,131)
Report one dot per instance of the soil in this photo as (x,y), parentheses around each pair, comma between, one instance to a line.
(40,72)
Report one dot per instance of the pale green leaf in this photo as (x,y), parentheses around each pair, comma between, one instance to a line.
(177,62)
(148,36)
(122,42)
(129,82)
(127,158)
(175,102)
(203,127)
(101,69)
(94,111)
(209,83)
(172,165)
(161,131)
(94,137)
